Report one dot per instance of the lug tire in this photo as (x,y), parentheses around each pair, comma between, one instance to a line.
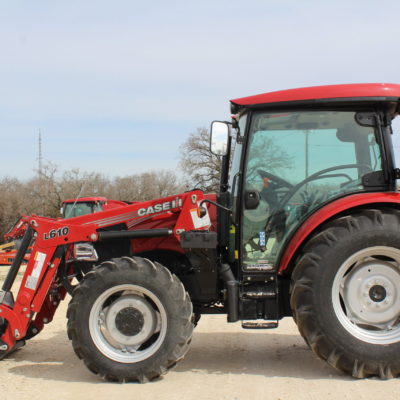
(130,319)
(345,294)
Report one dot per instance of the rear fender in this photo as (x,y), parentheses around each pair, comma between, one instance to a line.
(330,210)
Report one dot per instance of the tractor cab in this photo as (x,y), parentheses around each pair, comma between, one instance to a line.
(77,207)
(291,156)
(87,205)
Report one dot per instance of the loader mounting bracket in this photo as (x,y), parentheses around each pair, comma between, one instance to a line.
(6,298)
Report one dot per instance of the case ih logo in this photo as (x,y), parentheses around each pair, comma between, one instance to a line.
(168,205)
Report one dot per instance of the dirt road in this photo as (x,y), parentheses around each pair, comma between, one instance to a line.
(224,362)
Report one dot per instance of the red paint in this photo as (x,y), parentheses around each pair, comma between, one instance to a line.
(329,211)
(323,92)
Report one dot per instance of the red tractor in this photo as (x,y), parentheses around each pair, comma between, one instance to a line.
(306,224)
(7,253)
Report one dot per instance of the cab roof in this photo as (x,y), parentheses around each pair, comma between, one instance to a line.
(85,200)
(375,92)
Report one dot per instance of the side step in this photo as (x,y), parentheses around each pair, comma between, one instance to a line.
(259,325)
(258,268)
(259,295)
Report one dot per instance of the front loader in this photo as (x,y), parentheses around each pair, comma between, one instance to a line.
(306,224)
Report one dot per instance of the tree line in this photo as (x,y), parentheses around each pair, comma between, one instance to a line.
(44,193)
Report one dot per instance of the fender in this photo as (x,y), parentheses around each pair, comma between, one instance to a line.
(327,212)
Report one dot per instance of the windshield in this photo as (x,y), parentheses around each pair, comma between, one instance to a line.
(72,210)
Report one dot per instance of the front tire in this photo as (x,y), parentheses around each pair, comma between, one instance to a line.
(346,293)
(130,320)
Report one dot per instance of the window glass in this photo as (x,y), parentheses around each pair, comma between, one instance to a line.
(72,210)
(297,161)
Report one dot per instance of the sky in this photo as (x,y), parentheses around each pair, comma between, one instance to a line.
(117,86)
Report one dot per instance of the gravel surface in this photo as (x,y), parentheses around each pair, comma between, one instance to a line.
(224,362)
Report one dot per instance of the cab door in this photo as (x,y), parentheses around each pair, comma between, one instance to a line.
(295,162)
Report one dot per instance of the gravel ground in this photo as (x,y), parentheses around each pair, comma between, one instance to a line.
(224,362)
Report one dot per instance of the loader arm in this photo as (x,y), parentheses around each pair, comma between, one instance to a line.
(51,240)
(17,230)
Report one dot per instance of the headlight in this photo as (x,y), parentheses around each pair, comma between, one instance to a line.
(85,252)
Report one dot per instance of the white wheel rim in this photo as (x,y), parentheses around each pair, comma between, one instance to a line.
(147,329)
(366,295)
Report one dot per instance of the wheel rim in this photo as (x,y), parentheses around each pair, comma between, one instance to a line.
(128,323)
(365,295)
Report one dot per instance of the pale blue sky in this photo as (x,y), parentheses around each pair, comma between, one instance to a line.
(117,86)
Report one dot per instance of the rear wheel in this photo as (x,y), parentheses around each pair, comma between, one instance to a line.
(346,293)
(130,320)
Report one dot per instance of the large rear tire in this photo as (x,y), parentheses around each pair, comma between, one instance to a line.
(130,320)
(346,293)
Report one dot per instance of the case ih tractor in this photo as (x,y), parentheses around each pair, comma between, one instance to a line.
(306,224)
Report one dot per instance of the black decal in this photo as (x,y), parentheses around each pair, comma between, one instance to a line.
(56,233)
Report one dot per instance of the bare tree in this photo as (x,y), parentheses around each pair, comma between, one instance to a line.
(265,155)
(74,183)
(12,202)
(202,167)
(146,186)
(126,188)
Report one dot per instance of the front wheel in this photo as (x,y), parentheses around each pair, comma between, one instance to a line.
(130,320)
(346,293)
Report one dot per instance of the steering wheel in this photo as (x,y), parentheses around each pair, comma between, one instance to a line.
(279,181)
(317,175)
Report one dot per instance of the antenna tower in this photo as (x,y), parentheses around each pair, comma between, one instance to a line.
(40,158)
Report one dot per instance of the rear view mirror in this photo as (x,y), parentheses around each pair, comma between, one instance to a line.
(251,199)
(219,138)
